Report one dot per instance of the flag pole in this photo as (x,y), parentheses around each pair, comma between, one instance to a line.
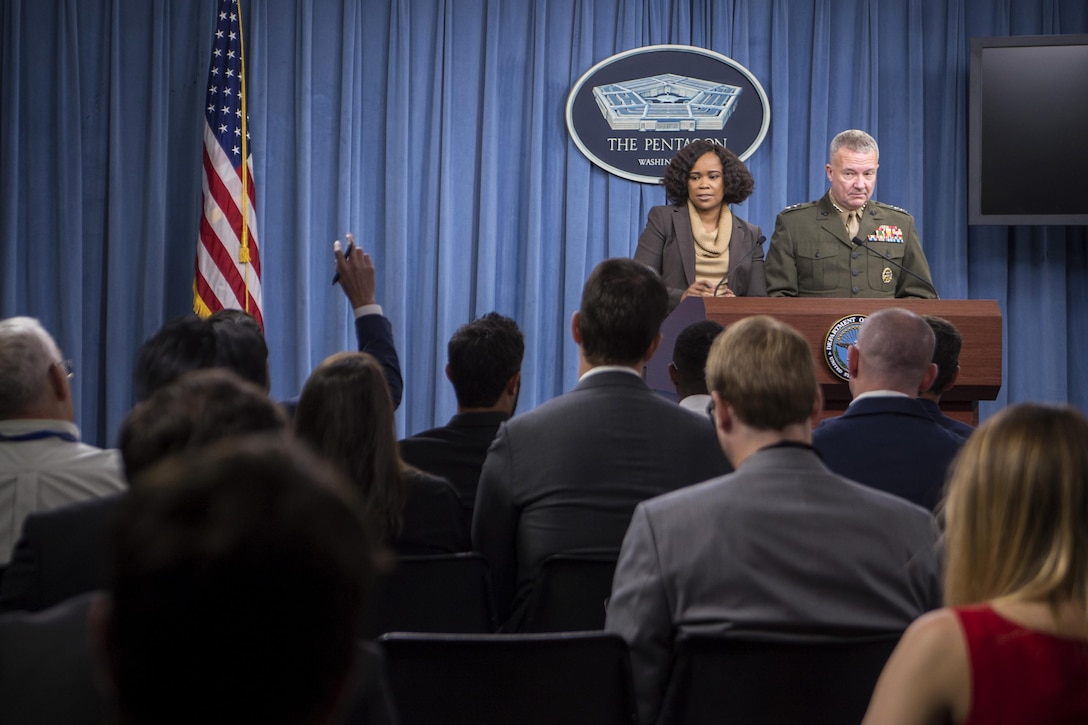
(243,252)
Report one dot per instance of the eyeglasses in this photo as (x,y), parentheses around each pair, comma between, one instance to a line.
(68,367)
(710,411)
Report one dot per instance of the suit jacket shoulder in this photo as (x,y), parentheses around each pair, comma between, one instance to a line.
(61,553)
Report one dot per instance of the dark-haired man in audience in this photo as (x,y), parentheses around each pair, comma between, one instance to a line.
(946,356)
(886,439)
(688,367)
(229,339)
(60,552)
(484,367)
(783,543)
(43,464)
(568,474)
(240,346)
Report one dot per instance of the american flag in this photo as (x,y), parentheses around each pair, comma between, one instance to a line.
(228,265)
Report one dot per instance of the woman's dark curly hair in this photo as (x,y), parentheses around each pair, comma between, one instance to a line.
(737,182)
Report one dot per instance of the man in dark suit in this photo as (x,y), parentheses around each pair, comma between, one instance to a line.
(61,552)
(886,439)
(178,568)
(484,366)
(567,475)
(71,538)
(783,543)
(946,356)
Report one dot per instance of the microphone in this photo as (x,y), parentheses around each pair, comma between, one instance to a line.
(861,243)
(758,245)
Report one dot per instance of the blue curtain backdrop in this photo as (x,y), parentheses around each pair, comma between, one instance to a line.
(434,130)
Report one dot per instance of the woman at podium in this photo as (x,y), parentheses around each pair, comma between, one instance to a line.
(696,243)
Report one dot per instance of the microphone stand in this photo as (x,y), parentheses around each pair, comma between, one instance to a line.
(861,243)
(758,245)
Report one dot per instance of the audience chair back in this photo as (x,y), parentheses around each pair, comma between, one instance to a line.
(571,591)
(435,593)
(769,678)
(576,678)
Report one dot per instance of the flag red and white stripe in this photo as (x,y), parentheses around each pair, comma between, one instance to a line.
(228,263)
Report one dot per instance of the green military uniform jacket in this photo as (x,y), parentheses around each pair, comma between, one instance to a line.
(811,254)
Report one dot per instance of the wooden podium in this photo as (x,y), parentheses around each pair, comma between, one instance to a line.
(979,322)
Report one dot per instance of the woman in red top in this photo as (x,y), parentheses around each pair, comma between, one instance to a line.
(1012,647)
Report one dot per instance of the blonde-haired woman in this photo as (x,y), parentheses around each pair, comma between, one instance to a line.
(1012,645)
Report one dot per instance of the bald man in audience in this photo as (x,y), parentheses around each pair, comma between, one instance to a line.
(43,463)
(886,439)
(783,543)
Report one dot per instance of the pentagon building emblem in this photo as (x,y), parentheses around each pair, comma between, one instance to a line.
(631,113)
(838,340)
(667,102)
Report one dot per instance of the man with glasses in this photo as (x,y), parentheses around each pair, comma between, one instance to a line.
(43,464)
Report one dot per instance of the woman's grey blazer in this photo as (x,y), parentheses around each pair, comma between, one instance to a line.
(667,245)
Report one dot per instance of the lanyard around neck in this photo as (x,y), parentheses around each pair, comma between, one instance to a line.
(38,435)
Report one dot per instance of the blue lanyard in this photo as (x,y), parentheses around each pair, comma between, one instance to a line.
(37,436)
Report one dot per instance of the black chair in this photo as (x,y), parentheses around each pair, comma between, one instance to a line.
(437,593)
(767,678)
(570,592)
(530,679)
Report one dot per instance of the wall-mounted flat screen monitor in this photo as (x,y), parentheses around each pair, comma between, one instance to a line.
(1028,130)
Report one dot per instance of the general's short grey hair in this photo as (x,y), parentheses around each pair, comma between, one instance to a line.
(26,352)
(855,140)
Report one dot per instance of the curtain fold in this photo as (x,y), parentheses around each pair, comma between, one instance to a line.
(435,131)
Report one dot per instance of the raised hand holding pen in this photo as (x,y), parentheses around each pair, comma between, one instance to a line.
(355,272)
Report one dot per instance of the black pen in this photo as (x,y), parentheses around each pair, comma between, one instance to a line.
(351,248)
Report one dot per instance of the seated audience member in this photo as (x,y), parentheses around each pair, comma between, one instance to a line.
(688,367)
(229,339)
(485,369)
(43,464)
(61,552)
(886,439)
(346,415)
(946,356)
(237,578)
(568,474)
(240,346)
(180,346)
(1012,644)
(782,543)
